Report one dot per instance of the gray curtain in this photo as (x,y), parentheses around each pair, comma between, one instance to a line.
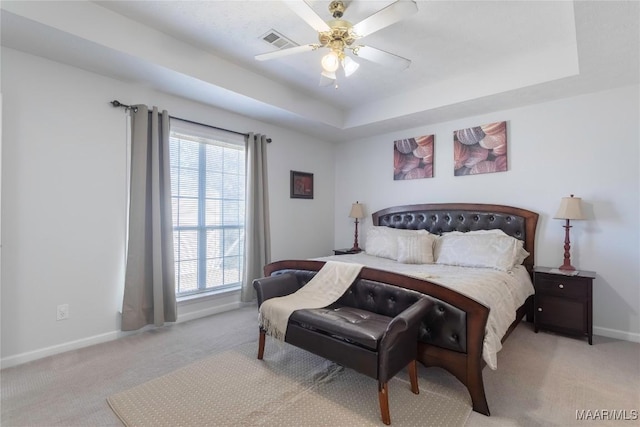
(257,250)
(149,293)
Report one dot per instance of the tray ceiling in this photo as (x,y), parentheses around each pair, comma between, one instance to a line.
(467,57)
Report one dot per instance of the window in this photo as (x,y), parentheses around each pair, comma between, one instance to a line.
(208,202)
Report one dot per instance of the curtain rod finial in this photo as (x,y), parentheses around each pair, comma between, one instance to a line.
(117,104)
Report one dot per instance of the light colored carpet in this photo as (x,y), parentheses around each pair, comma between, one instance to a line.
(542,379)
(290,387)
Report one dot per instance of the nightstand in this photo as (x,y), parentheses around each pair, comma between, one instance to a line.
(347,251)
(563,302)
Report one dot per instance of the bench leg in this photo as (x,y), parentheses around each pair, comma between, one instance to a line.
(383,397)
(261,344)
(413,376)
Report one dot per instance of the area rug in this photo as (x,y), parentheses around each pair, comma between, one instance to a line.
(290,387)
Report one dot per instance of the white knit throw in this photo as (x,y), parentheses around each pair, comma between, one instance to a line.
(329,284)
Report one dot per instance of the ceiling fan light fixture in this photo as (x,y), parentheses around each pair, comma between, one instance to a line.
(349,65)
(327,79)
(330,62)
(338,35)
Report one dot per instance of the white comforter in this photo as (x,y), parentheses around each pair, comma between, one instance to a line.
(503,292)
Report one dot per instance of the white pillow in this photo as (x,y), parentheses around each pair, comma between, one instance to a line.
(380,244)
(518,260)
(382,241)
(416,249)
(487,248)
(439,240)
(522,253)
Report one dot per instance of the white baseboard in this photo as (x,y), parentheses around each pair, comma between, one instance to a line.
(30,356)
(209,311)
(619,335)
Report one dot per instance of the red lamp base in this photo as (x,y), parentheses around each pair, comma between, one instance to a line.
(567,250)
(355,247)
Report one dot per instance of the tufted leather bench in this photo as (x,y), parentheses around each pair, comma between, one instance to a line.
(373,328)
(355,326)
(443,325)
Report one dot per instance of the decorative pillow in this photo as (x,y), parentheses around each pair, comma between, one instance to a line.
(488,249)
(417,249)
(439,240)
(522,253)
(382,241)
(380,244)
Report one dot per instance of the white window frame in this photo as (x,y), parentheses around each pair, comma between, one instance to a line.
(205,135)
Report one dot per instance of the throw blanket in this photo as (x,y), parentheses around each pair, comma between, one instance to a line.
(329,284)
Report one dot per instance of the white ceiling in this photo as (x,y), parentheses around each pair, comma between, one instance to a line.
(467,57)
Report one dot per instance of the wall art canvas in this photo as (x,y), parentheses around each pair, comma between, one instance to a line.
(413,158)
(480,149)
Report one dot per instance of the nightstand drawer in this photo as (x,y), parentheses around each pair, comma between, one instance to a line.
(561,286)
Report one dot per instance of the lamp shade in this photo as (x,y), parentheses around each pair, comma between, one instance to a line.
(356,211)
(570,208)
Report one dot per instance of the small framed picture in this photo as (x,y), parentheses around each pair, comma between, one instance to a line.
(301,185)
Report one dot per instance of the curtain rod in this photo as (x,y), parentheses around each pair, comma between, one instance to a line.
(117,104)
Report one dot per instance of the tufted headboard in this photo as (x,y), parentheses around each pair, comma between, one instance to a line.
(440,218)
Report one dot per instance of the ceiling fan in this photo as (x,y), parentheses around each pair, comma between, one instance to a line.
(339,35)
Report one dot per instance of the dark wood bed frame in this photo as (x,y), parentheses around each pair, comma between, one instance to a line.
(439,218)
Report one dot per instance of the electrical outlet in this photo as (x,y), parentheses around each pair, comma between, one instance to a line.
(63,312)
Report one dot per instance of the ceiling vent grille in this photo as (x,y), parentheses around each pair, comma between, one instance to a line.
(276,39)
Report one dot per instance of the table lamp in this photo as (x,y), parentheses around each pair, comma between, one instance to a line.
(358,213)
(570,208)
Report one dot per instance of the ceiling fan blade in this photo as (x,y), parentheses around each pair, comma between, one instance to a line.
(385,17)
(304,11)
(381,57)
(286,52)
(327,79)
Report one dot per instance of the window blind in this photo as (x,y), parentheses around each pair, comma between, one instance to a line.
(208,203)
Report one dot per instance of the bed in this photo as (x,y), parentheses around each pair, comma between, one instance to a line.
(465,350)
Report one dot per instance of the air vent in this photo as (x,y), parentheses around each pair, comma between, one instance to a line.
(276,39)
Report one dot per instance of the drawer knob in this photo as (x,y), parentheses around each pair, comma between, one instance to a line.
(561,286)
(539,308)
